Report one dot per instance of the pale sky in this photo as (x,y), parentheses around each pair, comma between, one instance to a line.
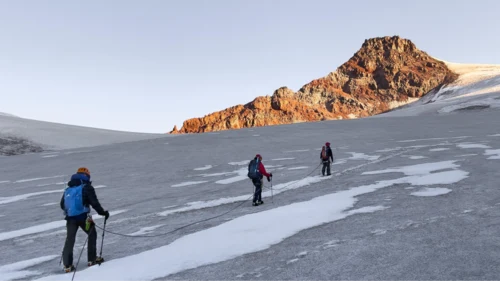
(145,66)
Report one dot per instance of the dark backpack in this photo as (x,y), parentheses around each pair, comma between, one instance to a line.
(253,171)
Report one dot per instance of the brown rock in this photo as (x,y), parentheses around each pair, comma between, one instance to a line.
(383,72)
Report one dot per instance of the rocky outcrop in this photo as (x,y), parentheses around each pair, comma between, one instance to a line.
(385,72)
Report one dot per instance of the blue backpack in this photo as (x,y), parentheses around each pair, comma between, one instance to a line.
(73,201)
(253,169)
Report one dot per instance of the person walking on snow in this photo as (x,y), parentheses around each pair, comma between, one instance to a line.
(256,172)
(76,202)
(326,155)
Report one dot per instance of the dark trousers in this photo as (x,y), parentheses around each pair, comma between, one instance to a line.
(71,229)
(326,166)
(257,195)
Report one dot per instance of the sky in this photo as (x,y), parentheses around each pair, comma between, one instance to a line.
(145,66)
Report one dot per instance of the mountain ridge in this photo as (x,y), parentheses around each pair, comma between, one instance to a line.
(384,73)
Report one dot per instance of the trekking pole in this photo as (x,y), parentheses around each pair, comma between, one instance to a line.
(102,240)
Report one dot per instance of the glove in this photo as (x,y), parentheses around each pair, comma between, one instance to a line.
(268,179)
(271,175)
(106,215)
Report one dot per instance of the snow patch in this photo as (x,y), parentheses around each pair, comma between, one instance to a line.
(438,149)
(206,167)
(187,183)
(388,149)
(277,189)
(44,227)
(419,169)
(495,135)
(426,192)
(298,168)
(241,163)
(466,155)
(416,140)
(494,152)
(362,156)
(50,204)
(4,182)
(300,150)
(472,145)
(146,230)
(50,156)
(282,159)
(16,270)
(37,179)
(414,157)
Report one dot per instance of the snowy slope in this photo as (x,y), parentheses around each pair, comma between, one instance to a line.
(409,198)
(53,136)
(7,114)
(478,87)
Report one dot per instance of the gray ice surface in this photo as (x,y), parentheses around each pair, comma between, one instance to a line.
(451,236)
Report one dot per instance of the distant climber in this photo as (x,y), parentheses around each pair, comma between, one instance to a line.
(256,172)
(76,202)
(325,156)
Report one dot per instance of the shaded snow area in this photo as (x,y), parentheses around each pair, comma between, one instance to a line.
(399,189)
(19,136)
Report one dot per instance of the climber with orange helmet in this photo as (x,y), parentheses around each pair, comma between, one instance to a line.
(75,202)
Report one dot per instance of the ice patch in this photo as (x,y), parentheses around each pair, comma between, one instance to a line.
(292,261)
(426,192)
(44,227)
(495,135)
(37,179)
(206,167)
(472,145)
(277,189)
(300,150)
(188,183)
(298,168)
(4,182)
(282,159)
(466,155)
(255,135)
(146,230)
(16,270)
(362,156)
(494,152)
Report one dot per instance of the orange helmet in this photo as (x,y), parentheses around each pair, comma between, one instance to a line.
(83,170)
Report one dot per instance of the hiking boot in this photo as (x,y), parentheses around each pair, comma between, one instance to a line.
(255,204)
(98,260)
(260,202)
(69,269)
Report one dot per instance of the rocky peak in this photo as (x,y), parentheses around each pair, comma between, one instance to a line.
(384,72)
